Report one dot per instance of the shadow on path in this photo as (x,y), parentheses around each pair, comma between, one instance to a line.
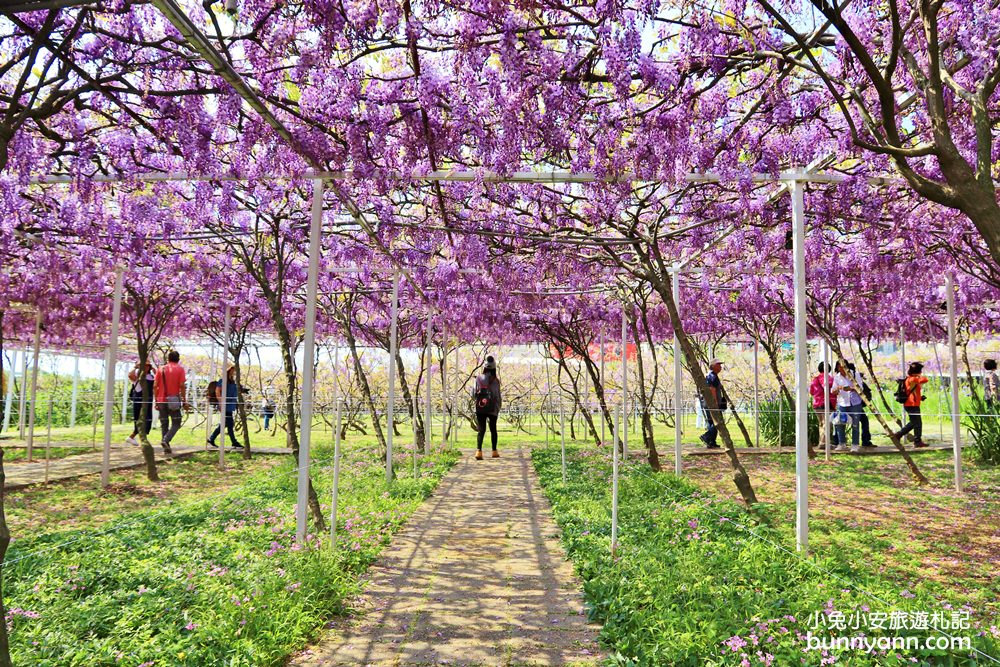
(477,577)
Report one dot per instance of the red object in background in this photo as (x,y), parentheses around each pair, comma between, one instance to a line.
(612,352)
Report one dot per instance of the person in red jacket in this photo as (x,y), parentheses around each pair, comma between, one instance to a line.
(915,381)
(819,395)
(170,386)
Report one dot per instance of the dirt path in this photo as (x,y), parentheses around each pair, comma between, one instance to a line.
(478,577)
(21,474)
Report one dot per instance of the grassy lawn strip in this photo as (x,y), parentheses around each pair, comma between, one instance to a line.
(692,586)
(868,511)
(80,503)
(213,581)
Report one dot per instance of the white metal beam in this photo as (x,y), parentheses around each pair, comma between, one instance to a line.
(390,408)
(956,412)
(308,362)
(453,175)
(801,368)
(678,412)
(34,380)
(109,376)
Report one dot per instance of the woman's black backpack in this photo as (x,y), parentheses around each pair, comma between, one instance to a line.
(485,401)
(902,395)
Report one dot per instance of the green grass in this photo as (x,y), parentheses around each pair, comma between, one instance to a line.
(868,511)
(81,503)
(699,581)
(211,578)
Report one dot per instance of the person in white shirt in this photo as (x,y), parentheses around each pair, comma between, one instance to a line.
(849,403)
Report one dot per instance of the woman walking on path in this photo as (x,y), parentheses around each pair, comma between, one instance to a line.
(487,397)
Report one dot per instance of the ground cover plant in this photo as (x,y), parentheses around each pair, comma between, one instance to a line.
(213,580)
(865,510)
(692,586)
(80,503)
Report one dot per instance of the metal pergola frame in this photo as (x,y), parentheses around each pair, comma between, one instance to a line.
(791,181)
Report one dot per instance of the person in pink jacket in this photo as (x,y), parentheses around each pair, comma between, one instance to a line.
(819,395)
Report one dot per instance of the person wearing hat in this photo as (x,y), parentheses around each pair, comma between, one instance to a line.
(486,395)
(915,381)
(140,383)
(232,394)
(715,386)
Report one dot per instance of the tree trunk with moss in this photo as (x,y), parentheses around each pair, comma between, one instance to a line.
(148,455)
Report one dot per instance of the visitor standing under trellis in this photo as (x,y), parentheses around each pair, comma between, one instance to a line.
(488,401)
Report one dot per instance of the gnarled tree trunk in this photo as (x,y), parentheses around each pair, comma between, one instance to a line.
(740,477)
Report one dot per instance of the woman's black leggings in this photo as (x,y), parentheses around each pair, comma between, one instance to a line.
(481,419)
(915,423)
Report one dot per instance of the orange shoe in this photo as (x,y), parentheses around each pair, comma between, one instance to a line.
(479,455)
(496,454)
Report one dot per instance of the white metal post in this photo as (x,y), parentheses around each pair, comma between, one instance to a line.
(34,380)
(336,374)
(547,403)
(391,405)
(902,361)
(562,431)
(604,424)
(22,406)
(678,408)
(224,388)
(48,441)
(76,391)
(10,391)
(390,410)
(415,440)
(308,360)
(109,376)
(125,388)
(93,419)
(208,402)
(756,392)
(444,393)
(801,368)
(624,430)
(956,414)
(614,485)
(428,408)
(455,398)
(825,354)
(336,478)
